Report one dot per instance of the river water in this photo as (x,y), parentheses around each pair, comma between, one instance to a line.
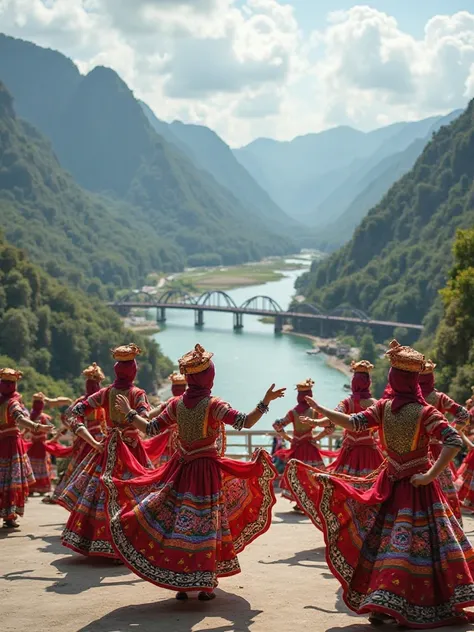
(249,361)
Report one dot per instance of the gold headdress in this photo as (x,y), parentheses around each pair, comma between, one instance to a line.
(405,358)
(39,397)
(430,366)
(10,375)
(305,385)
(94,372)
(124,353)
(362,366)
(177,379)
(195,361)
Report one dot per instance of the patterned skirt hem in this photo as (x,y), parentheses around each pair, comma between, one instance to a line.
(12,511)
(86,547)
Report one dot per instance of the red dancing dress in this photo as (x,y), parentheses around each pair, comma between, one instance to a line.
(161,447)
(445,404)
(395,548)
(40,458)
(86,529)
(303,446)
(359,454)
(94,421)
(15,470)
(182,526)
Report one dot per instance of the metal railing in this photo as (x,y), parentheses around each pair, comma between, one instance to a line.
(241,445)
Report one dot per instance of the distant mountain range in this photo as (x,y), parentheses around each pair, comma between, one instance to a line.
(102,136)
(330,180)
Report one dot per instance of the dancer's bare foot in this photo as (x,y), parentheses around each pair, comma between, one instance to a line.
(181,596)
(206,596)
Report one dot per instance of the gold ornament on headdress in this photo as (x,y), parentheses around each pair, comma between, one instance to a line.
(430,366)
(10,375)
(405,358)
(362,366)
(177,379)
(305,385)
(94,372)
(195,361)
(39,397)
(124,353)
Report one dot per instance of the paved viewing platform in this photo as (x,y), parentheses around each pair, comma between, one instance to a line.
(284,586)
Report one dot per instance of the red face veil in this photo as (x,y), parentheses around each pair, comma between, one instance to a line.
(302,405)
(361,386)
(199,386)
(7,391)
(36,409)
(125,374)
(405,388)
(427,383)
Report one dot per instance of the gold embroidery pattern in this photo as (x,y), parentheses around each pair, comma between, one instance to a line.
(299,427)
(4,414)
(432,399)
(192,421)
(115,417)
(400,428)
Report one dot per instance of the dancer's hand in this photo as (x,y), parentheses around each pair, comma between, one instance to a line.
(45,428)
(123,405)
(98,447)
(314,423)
(313,404)
(272,394)
(419,480)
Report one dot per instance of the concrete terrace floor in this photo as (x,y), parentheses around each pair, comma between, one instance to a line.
(285,585)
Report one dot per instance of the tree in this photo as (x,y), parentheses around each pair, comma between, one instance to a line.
(368,350)
(15,340)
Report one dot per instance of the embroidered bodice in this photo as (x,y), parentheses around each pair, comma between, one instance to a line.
(11,412)
(197,427)
(300,430)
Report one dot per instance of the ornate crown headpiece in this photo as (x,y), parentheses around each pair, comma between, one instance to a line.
(362,366)
(94,372)
(178,379)
(195,361)
(39,397)
(430,366)
(10,375)
(405,358)
(124,353)
(305,385)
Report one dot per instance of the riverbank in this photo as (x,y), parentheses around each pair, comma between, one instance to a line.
(332,361)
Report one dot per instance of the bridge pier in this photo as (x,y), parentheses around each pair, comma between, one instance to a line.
(238,321)
(198,318)
(278,324)
(161,315)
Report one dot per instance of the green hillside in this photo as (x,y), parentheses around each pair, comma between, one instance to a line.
(400,254)
(72,233)
(53,332)
(103,138)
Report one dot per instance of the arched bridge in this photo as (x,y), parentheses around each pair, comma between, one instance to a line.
(218,301)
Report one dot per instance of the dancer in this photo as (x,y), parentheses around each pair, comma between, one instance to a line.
(444,404)
(359,454)
(86,529)
(40,459)
(397,549)
(15,470)
(182,526)
(303,444)
(160,448)
(94,421)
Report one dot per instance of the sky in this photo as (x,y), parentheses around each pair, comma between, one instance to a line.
(271,68)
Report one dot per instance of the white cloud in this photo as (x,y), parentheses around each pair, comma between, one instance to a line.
(246,69)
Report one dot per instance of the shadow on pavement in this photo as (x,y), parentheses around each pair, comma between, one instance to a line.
(339,607)
(315,557)
(290,516)
(179,616)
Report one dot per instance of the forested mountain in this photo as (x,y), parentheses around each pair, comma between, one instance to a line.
(52,332)
(208,151)
(317,177)
(400,254)
(102,136)
(73,234)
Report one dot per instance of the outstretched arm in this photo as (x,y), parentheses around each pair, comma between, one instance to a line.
(262,407)
(331,416)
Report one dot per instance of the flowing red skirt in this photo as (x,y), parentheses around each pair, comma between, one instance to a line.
(357,460)
(16,476)
(395,549)
(182,526)
(304,451)
(80,451)
(41,466)
(466,480)
(159,449)
(59,450)
(86,530)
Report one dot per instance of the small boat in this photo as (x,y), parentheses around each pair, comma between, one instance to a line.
(314,351)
